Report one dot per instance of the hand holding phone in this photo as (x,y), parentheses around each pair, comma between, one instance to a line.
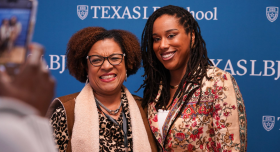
(17,19)
(33,84)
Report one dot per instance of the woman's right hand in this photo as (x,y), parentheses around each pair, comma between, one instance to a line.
(33,84)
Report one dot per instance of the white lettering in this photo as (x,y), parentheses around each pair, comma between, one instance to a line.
(63,64)
(242,67)
(116,12)
(54,61)
(105,11)
(206,15)
(215,13)
(42,60)
(230,67)
(202,15)
(126,12)
(145,12)
(192,12)
(278,74)
(253,69)
(215,65)
(266,67)
(156,7)
(138,13)
(95,10)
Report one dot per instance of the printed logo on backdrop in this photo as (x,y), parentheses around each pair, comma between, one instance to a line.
(82,11)
(272,13)
(268,122)
(136,12)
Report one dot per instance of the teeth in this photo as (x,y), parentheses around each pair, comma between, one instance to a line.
(167,55)
(107,76)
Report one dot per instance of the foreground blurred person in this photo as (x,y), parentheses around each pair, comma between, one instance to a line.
(104,116)
(192,106)
(23,101)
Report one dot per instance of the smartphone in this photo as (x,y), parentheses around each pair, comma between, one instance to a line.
(17,20)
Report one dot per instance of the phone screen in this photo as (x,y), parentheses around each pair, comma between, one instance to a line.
(15,31)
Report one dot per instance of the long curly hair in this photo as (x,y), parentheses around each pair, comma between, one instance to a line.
(155,72)
(81,42)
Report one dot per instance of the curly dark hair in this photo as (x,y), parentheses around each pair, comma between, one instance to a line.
(155,72)
(81,42)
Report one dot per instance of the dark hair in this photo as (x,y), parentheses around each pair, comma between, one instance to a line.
(155,71)
(81,42)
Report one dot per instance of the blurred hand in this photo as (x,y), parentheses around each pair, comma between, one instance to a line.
(33,84)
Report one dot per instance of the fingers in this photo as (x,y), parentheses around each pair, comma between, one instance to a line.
(44,66)
(36,53)
(35,60)
(4,77)
(5,80)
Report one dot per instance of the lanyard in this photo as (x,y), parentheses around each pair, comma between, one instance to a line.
(116,123)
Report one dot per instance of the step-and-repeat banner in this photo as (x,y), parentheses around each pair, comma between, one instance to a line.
(242,37)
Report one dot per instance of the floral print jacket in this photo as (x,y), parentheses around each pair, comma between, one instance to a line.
(217,124)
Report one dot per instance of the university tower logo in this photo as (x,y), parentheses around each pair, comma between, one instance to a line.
(272,13)
(268,122)
(82,11)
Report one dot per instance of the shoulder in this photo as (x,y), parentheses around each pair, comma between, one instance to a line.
(216,72)
(138,100)
(217,76)
(67,101)
(220,81)
(69,97)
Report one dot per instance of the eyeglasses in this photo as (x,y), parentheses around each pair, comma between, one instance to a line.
(98,60)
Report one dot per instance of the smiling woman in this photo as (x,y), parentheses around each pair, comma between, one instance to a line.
(103,59)
(171,43)
(192,106)
(104,77)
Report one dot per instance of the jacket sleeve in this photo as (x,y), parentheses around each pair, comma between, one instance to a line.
(229,118)
(60,131)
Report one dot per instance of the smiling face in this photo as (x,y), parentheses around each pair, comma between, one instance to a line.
(171,44)
(107,78)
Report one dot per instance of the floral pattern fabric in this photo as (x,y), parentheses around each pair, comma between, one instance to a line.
(217,124)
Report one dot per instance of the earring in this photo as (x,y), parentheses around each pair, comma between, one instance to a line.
(86,81)
(125,77)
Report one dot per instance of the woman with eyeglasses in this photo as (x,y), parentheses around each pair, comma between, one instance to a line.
(104,116)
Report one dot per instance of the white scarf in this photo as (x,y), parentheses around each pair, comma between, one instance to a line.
(85,136)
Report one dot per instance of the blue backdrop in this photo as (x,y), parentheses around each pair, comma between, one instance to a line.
(242,38)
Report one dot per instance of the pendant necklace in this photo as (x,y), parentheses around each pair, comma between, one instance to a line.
(111,112)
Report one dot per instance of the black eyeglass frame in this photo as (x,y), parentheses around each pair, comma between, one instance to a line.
(88,57)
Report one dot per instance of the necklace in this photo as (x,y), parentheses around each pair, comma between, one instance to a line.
(111,112)
(173,87)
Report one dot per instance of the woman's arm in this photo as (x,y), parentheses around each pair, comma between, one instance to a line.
(229,117)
